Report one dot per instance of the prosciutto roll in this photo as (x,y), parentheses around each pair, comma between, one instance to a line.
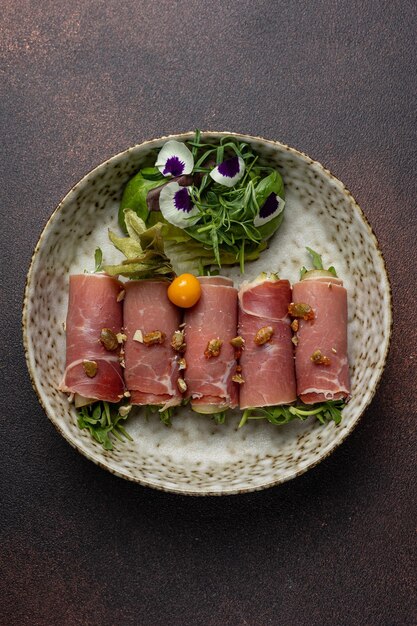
(267,368)
(151,365)
(211,366)
(92,370)
(321,354)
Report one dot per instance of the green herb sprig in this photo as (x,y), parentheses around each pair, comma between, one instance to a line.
(317,264)
(324,412)
(102,420)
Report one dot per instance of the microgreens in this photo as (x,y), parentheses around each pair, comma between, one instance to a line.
(216,191)
(98,260)
(103,420)
(317,264)
(324,412)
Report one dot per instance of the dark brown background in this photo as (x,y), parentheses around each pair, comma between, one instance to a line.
(83,80)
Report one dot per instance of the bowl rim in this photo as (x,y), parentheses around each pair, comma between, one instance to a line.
(182,137)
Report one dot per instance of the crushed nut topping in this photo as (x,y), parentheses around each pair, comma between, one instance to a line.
(300,309)
(122,362)
(295,340)
(109,339)
(154,337)
(121,337)
(127,394)
(263,335)
(121,295)
(90,368)
(177,341)
(182,364)
(213,348)
(295,325)
(182,385)
(334,350)
(319,359)
(237,342)
(138,336)
(125,410)
(237,378)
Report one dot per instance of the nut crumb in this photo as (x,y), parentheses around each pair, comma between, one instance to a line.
(138,336)
(319,359)
(182,385)
(121,295)
(153,338)
(213,348)
(263,335)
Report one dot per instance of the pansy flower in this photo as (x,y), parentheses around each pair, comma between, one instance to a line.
(175,159)
(272,207)
(229,172)
(176,206)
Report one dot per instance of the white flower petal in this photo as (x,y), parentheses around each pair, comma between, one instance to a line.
(175,159)
(229,172)
(272,207)
(175,205)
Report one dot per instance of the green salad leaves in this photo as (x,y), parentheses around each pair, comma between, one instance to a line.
(324,412)
(236,203)
(102,419)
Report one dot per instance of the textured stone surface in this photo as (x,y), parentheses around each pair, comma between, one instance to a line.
(83,80)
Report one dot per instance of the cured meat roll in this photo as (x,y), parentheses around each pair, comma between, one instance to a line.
(151,365)
(321,354)
(267,358)
(210,325)
(94,318)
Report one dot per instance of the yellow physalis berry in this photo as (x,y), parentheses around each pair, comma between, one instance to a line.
(185,291)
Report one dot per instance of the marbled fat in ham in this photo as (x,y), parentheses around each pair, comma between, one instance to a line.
(151,371)
(327,332)
(209,380)
(268,369)
(93,306)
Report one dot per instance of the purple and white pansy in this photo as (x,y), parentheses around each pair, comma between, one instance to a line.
(271,208)
(175,159)
(229,172)
(176,206)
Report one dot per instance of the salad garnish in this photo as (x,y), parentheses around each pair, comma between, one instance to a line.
(324,412)
(317,265)
(102,419)
(218,194)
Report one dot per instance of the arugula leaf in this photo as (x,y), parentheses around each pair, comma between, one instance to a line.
(219,418)
(101,421)
(317,264)
(135,195)
(98,259)
(317,260)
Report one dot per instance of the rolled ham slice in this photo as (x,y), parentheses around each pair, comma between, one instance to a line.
(209,380)
(268,369)
(151,371)
(93,306)
(326,332)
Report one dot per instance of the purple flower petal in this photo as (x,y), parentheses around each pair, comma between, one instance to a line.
(173,167)
(271,208)
(229,172)
(175,159)
(230,167)
(176,206)
(182,200)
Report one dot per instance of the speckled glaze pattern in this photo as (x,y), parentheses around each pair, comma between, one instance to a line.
(195,456)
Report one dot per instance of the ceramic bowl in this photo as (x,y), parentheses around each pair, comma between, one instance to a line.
(195,456)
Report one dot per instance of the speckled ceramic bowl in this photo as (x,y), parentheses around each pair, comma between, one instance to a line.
(195,456)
